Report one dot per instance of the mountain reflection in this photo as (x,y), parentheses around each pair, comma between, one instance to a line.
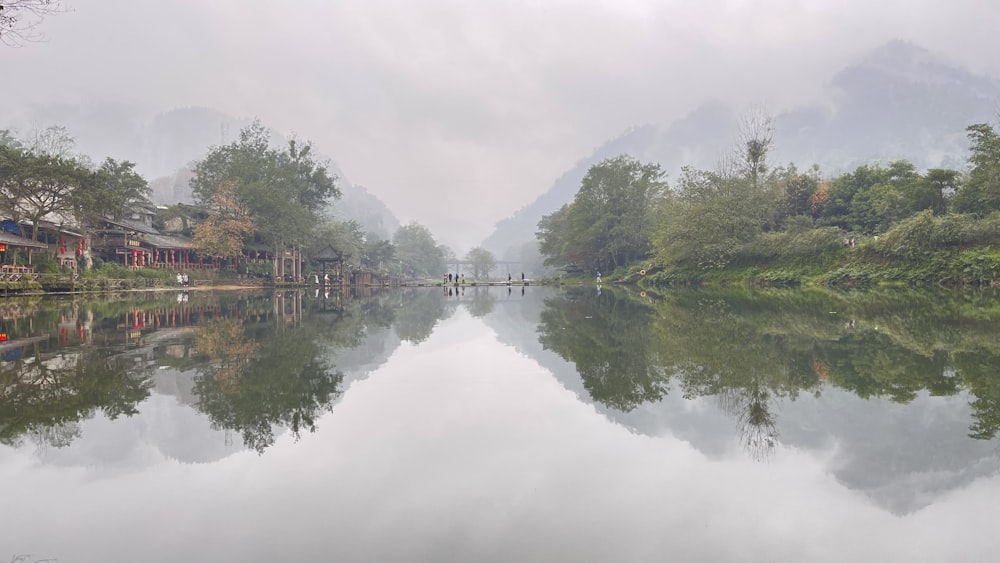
(747,349)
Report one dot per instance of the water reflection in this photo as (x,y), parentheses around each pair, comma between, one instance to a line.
(444,422)
(258,362)
(750,349)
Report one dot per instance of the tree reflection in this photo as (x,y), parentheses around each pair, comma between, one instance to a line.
(750,349)
(254,383)
(608,337)
(45,394)
(482,302)
(417,314)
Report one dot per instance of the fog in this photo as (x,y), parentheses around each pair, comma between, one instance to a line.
(456,114)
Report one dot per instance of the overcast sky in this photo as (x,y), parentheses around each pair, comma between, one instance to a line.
(457,113)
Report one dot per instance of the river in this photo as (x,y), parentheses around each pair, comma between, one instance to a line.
(501,424)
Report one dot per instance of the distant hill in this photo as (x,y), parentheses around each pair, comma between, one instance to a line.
(898,102)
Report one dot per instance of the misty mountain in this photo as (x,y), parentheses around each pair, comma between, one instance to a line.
(898,102)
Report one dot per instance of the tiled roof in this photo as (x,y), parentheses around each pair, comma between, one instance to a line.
(14,240)
(164,241)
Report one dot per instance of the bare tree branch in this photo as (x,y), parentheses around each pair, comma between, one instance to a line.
(756,136)
(19,18)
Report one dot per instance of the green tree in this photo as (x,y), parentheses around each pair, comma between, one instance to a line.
(114,188)
(934,189)
(33,186)
(483,262)
(346,237)
(980,193)
(377,253)
(418,251)
(872,197)
(608,223)
(285,191)
(796,191)
(704,224)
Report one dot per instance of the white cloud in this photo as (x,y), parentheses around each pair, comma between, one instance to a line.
(457,113)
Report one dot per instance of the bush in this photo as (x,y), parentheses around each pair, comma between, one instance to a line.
(917,237)
(803,247)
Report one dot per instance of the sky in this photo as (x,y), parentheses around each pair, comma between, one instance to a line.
(457,113)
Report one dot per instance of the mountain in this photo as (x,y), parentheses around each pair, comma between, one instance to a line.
(898,102)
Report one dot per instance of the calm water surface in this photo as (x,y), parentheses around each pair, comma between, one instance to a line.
(501,424)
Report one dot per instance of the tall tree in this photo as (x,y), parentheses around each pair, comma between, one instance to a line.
(346,237)
(756,135)
(607,224)
(284,190)
(980,193)
(483,261)
(705,222)
(418,251)
(114,188)
(228,224)
(34,186)
(377,253)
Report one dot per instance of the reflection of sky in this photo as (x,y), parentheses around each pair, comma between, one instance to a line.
(167,426)
(904,456)
(463,449)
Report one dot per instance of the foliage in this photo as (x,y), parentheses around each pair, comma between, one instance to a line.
(283,190)
(343,237)
(794,247)
(113,189)
(750,348)
(608,223)
(483,262)
(705,223)
(223,232)
(33,186)
(251,388)
(38,395)
(377,254)
(416,319)
(980,193)
(418,251)
(606,336)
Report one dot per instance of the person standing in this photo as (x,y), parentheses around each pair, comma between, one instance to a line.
(598,277)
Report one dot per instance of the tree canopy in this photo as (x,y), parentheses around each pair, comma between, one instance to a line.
(608,222)
(284,190)
(483,262)
(33,186)
(418,251)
